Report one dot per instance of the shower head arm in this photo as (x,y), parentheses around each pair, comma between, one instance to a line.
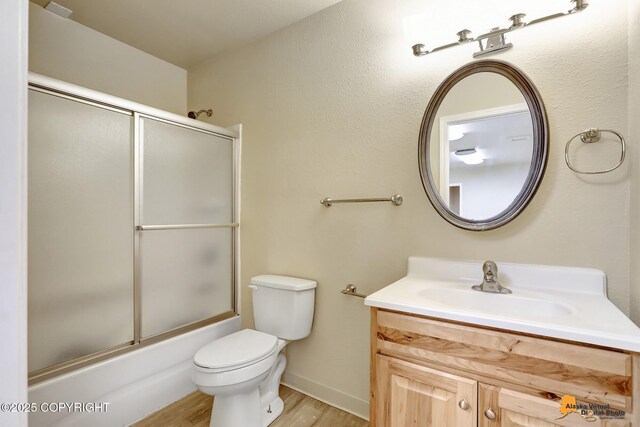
(195,115)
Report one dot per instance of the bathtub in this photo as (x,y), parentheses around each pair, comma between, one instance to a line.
(132,385)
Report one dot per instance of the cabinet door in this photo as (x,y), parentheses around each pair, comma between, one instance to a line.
(413,395)
(501,407)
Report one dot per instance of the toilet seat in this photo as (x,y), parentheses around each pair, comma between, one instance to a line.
(235,351)
(241,357)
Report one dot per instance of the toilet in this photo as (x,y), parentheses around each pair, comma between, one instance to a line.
(242,370)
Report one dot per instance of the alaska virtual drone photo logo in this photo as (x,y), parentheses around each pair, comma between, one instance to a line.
(591,412)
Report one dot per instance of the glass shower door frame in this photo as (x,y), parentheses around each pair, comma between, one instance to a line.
(141,228)
(139,112)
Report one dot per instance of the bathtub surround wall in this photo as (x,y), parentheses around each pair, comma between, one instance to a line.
(63,49)
(332,105)
(13,213)
(633,138)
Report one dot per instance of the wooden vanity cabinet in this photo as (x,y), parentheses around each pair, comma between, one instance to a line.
(432,373)
(510,408)
(416,395)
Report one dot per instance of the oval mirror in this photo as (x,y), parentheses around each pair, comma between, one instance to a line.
(483,145)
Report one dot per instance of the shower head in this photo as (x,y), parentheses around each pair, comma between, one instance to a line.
(194,115)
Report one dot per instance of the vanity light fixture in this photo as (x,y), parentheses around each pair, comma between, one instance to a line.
(470,156)
(495,40)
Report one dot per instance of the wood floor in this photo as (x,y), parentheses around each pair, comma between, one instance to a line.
(299,411)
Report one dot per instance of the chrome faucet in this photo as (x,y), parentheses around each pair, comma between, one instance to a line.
(490,281)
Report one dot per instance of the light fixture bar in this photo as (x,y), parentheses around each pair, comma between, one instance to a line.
(495,40)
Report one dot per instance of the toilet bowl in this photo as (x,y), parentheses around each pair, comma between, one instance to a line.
(243,370)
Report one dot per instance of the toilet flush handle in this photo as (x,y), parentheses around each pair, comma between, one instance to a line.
(253,287)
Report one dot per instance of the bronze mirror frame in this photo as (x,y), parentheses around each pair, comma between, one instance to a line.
(540,143)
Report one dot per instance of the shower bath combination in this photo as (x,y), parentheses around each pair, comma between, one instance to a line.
(172,163)
(194,115)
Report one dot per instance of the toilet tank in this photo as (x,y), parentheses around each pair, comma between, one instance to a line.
(283,305)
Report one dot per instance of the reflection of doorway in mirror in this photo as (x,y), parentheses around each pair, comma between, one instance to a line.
(455,198)
(488,152)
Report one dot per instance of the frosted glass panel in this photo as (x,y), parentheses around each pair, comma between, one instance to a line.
(185,277)
(80,229)
(187,176)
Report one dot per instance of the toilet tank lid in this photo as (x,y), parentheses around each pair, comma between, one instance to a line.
(283,282)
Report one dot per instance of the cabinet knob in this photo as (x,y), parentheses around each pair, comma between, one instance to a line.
(464,405)
(490,414)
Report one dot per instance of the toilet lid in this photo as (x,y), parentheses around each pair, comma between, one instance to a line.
(238,349)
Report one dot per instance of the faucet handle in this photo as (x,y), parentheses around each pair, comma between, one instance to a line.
(490,268)
(490,281)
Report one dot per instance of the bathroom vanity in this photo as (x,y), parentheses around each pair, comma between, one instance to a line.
(545,355)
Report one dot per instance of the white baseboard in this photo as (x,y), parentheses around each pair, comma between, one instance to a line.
(346,402)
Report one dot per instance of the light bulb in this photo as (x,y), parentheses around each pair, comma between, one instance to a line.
(470,156)
(455,133)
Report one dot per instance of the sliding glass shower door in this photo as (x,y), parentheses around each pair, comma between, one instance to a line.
(81,231)
(132,229)
(186,216)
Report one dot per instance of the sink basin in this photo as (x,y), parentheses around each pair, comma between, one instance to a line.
(566,303)
(507,305)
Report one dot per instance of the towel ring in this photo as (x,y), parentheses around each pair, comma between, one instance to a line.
(589,136)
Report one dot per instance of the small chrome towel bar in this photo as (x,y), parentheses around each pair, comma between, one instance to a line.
(352,291)
(396,200)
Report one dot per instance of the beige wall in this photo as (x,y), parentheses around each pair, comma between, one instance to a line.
(633,140)
(65,50)
(332,105)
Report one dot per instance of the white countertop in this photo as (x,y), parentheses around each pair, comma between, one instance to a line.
(557,302)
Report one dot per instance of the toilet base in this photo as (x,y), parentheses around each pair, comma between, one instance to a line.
(272,404)
(272,411)
(237,410)
(254,403)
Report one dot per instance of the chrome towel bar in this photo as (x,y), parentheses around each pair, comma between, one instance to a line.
(396,200)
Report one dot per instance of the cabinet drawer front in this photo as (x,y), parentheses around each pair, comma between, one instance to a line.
(590,374)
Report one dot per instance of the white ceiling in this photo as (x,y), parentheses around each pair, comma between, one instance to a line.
(186,33)
(503,139)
